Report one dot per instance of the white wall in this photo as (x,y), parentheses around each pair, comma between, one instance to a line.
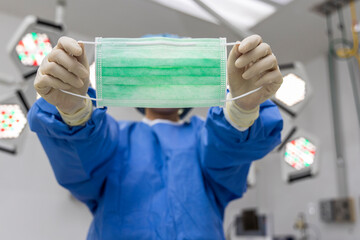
(284,201)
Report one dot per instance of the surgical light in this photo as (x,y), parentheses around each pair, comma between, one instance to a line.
(300,153)
(32,48)
(12,121)
(292,90)
(32,41)
(295,91)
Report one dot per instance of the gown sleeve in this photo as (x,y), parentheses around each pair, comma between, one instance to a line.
(80,156)
(227,153)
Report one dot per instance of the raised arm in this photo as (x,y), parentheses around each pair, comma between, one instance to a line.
(248,128)
(79,142)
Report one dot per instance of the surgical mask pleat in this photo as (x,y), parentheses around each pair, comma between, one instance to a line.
(160,58)
(141,71)
(159,80)
(178,92)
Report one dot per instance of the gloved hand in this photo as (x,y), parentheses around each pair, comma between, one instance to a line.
(65,67)
(251,64)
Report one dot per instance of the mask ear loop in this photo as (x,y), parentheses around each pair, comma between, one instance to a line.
(98,99)
(242,95)
(80,96)
(87,42)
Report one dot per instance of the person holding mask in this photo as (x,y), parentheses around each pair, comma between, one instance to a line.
(160,178)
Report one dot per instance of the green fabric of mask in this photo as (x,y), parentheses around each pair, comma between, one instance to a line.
(160,72)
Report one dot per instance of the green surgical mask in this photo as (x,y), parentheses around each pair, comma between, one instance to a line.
(160,72)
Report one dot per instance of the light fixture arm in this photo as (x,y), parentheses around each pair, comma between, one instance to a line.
(341,170)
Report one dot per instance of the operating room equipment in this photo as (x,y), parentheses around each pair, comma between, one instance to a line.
(32,41)
(299,156)
(296,90)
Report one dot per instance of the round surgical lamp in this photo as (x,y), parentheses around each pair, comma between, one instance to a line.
(295,91)
(299,156)
(12,123)
(32,41)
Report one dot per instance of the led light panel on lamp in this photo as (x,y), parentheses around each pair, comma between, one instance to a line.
(31,42)
(300,153)
(292,90)
(32,48)
(12,121)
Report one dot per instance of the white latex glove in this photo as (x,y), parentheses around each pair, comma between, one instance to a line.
(251,64)
(65,67)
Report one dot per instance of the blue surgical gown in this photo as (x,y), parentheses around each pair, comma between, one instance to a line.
(165,181)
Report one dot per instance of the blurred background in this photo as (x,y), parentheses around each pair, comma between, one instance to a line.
(307,188)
